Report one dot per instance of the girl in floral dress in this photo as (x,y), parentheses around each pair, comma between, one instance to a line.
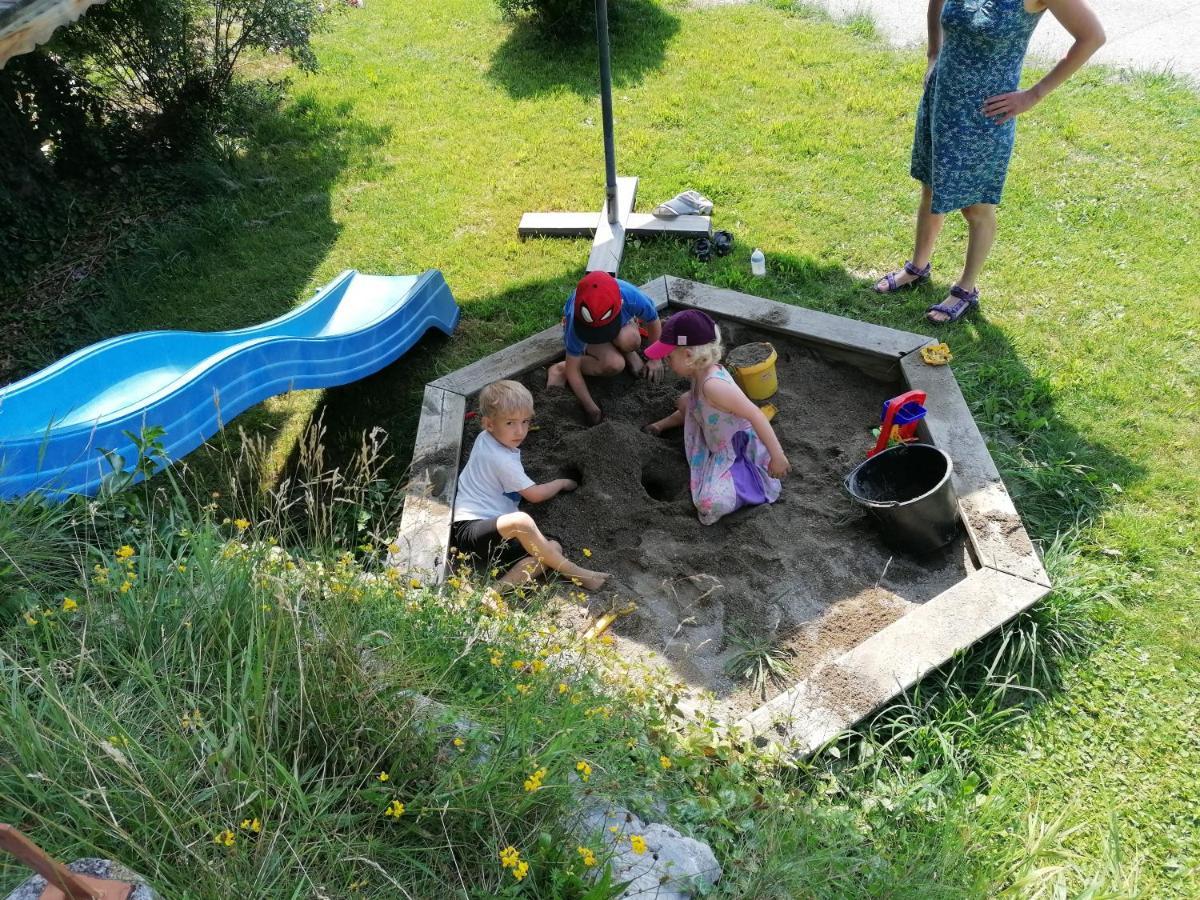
(733,453)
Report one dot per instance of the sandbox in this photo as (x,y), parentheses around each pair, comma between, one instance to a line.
(809,576)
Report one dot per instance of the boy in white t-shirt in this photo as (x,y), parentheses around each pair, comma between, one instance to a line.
(487,526)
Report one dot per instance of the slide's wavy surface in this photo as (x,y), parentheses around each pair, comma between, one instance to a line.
(56,424)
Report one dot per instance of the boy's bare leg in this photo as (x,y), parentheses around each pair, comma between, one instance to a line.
(526,570)
(520,527)
(628,343)
(599,360)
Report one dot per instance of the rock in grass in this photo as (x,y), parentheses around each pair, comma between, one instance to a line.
(31,888)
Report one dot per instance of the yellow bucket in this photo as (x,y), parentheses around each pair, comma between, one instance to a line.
(759,380)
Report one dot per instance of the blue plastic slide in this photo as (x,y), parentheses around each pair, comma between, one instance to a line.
(56,425)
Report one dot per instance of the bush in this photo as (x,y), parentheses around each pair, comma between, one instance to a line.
(169,64)
(557,18)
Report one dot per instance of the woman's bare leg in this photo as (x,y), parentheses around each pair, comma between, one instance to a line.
(929,226)
(981,234)
(520,527)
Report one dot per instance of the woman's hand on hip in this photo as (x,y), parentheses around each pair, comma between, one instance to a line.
(1005,107)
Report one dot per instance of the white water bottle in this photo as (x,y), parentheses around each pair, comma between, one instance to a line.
(758,263)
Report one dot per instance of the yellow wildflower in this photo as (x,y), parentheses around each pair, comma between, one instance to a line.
(124,552)
(253,825)
(241,524)
(509,857)
(665,762)
(562,687)
(181,568)
(356,886)
(584,769)
(534,781)
(587,552)
(191,721)
(522,689)
(393,549)
(30,620)
(459,743)
(637,844)
(537,666)
(588,857)
(414,582)
(69,605)
(225,838)
(520,870)
(395,809)
(384,776)
(518,664)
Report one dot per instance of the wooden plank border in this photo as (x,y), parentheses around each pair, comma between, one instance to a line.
(424,537)
(993,525)
(862,680)
(797,321)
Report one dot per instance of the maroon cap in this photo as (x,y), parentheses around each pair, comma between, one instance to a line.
(597,308)
(687,328)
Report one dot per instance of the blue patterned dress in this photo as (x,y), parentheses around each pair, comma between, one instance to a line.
(957,150)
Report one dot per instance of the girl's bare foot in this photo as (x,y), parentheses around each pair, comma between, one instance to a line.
(556,375)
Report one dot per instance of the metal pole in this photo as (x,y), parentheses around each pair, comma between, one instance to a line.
(610,153)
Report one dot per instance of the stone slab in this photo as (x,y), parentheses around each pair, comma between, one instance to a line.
(859,682)
(609,244)
(646,225)
(997,535)
(424,535)
(558,224)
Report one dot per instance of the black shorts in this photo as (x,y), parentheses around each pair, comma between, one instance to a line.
(486,549)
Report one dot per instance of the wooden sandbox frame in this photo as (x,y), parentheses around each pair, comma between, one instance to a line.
(1009,579)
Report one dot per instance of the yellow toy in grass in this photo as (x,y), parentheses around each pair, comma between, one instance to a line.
(936,354)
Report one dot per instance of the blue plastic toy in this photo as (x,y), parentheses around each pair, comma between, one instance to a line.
(901,413)
(55,424)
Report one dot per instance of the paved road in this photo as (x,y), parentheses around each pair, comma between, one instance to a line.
(1154,35)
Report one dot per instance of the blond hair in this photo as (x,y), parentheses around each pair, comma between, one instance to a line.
(705,355)
(505,397)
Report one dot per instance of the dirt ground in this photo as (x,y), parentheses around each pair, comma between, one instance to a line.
(807,575)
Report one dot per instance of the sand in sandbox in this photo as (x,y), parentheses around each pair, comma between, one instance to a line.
(748,355)
(809,571)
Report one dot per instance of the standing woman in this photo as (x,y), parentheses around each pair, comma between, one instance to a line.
(966,124)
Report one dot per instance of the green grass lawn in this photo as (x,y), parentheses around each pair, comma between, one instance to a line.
(430,129)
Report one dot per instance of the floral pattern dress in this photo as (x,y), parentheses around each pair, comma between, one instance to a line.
(727,460)
(957,150)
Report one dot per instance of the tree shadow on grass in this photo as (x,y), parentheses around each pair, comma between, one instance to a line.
(529,63)
(204,244)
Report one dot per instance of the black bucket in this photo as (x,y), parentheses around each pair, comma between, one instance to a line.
(908,490)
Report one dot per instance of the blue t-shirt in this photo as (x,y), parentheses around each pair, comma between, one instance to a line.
(634,305)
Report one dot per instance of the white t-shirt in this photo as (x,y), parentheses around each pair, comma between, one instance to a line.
(491,481)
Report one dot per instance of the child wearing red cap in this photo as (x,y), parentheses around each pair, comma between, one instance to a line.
(601,336)
(734,455)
